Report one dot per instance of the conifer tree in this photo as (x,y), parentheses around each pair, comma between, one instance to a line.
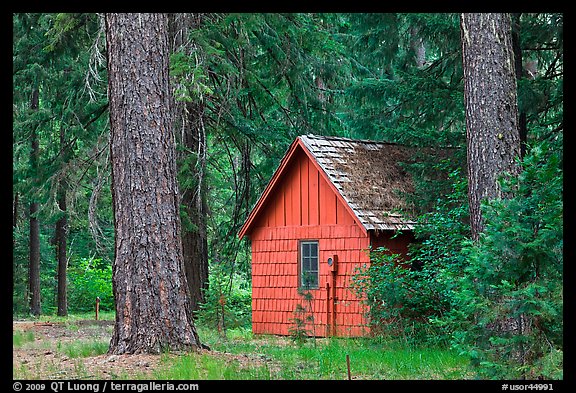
(493,139)
(153,305)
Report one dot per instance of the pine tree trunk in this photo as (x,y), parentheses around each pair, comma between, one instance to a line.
(34,269)
(517,48)
(491,108)
(153,310)
(417,44)
(15,211)
(189,123)
(61,228)
(194,237)
(34,240)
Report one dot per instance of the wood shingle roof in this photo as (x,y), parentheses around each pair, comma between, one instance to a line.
(368,176)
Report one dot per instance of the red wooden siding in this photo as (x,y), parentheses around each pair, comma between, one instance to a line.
(304,206)
(396,244)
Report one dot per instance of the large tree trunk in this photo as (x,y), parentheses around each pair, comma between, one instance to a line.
(491,108)
(34,268)
(191,134)
(153,310)
(34,240)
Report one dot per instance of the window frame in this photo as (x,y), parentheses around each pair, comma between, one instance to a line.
(301,269)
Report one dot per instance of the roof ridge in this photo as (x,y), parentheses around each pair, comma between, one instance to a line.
(344,139)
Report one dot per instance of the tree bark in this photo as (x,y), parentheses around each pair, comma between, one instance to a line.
(493,143)
(189,123)
(153,309)
(15,211)
(417,44)
(34,239)
(61,229)
(516,46)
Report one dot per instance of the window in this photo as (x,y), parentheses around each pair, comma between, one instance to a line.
(309,264)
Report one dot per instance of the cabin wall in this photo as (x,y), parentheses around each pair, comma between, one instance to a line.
(304,207)
(396,243)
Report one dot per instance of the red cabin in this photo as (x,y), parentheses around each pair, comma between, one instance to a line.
(329,201)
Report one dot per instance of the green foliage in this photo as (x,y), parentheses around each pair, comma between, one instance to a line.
(500,300)
(406,296)
(303,324)
(48,271)
(88,279)
(401,298)
(58,56)
(20,304)
(510,302)
(227,302)
(394,99)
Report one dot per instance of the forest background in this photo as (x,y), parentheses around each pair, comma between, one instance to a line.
(245,85)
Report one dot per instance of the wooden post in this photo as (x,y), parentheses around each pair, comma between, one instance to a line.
(348,366)
(328,329)
(97,306)
(333,301)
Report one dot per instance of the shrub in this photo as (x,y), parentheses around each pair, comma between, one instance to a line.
(408,298)
(88,279)
(227,302)
(303,316)
(508,310)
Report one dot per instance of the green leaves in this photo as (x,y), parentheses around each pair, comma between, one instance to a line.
(90,278)
(515,275)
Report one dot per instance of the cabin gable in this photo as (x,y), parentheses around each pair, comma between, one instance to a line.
(303,196)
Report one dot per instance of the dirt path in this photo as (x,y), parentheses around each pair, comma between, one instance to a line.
(52,351)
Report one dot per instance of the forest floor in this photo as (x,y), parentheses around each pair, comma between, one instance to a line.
(58,350)
(47,352)
(76,348)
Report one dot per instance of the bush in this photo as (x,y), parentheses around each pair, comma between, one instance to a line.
(401,298)
(408,298)
(88,279)
(508,309)
(227,302)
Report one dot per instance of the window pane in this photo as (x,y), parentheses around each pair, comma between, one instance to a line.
(305,264)
(314,264)
(314,250)
(305,250)
(313,281)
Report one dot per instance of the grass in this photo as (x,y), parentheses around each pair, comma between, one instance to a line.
(204,366)
(83,349)
(323,359)
(20,338)
(241,355)
(72,318)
